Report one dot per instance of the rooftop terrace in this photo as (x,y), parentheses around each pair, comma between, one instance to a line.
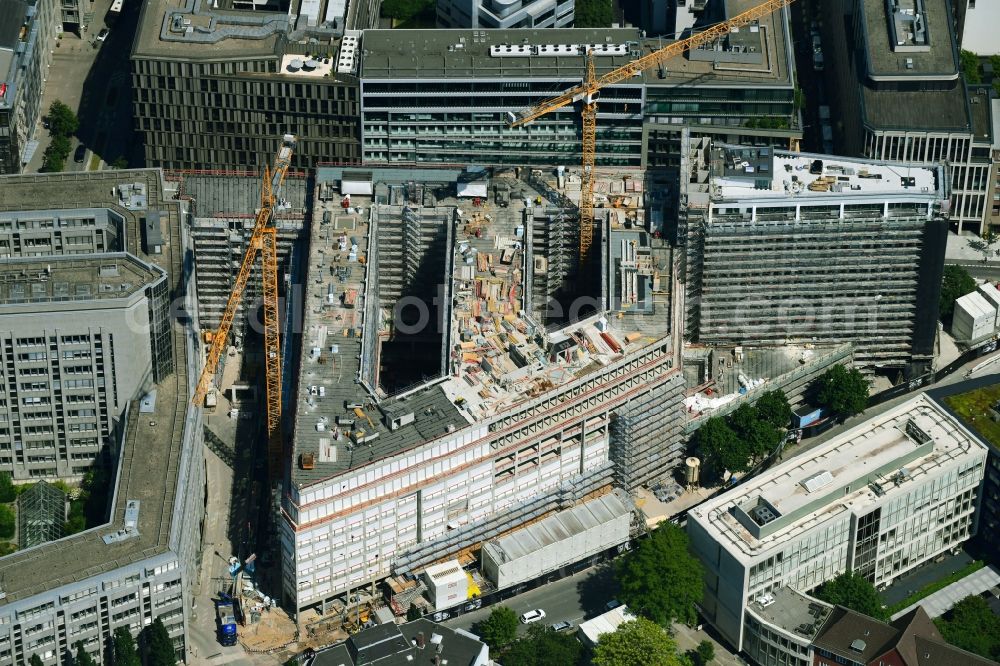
(742,172)
(792,611)
(846,474)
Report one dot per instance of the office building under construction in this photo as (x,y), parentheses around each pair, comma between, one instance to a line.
(517,411)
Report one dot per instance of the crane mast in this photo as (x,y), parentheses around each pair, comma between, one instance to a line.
(586,93)
(263,240)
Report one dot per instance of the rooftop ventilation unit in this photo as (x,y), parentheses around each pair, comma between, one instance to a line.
(762,515)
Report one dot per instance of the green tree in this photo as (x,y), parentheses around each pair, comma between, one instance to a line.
(35,661)
(413,613)
(55,155)
(119,163)
(972,626)
(759,436)
(970,67)
(83,657)
(956,283)
(660,579)
(6,548)
(500,628)
(853,591)
(593,14)
(543,647)
(636,643)
(124,648)
(705,652)
(773,408)
(843,391)
(159,647)
(62,121)
(7,522)
(720,447)
(8,493)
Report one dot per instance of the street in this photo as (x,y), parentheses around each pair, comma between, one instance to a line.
(95,82)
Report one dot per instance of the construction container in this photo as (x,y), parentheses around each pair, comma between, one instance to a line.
(974,318)
(447,584)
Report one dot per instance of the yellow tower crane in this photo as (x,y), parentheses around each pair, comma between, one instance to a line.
(262,240)
(586,93)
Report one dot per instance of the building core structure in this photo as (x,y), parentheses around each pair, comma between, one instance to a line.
(790,247)
(879,500)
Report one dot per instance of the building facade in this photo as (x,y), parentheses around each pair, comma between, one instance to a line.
(217,99)
(141,564)
(505,14)
(210,98)
(79,336)
(879,500)
(27,30)
(911,104)
(789,247)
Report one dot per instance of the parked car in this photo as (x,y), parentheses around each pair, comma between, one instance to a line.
(103,34)
(533,616)
(611,605)
(81,152)
(561,626)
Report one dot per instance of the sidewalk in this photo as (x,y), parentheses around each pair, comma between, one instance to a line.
(958,251)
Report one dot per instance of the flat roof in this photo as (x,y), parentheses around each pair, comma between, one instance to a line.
(875,459)
(214,33)
(792,611)
(153,444)
(885,57)
(748,172)
(60,278)
(941,110)
(463,54)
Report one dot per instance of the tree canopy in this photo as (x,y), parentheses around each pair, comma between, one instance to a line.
(7,522)
(83,657)
(62,120)
(593,14)
(956,283)
(543,647)
(705,652)
(660,579)
(8,493)
(972,626)
(403,10)
(748,434)
(159,647)
(853,591)
(125,651)
(35,660)
(720,447)
(843,391)
(500,628)
(638,642)
(773,408)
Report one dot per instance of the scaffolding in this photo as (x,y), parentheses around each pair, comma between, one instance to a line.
(646,434)
(41,514)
